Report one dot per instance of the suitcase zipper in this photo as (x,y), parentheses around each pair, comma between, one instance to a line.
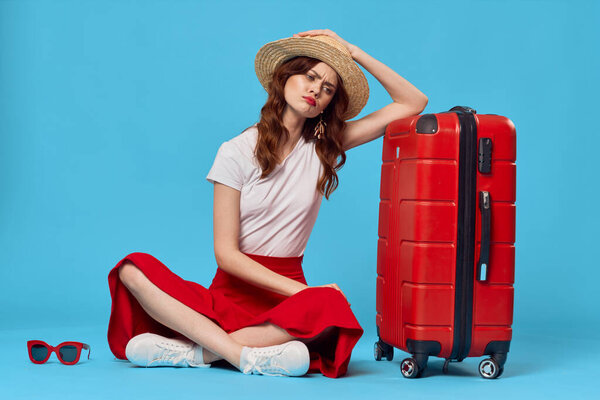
(467,181)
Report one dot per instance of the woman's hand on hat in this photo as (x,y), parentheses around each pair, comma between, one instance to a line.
(327,32)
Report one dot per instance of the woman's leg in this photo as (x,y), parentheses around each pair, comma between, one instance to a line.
(217,344)
(266,335)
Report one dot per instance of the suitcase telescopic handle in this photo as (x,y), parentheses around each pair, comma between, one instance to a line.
(483,265)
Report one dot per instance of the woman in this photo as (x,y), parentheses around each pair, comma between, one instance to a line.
(259,314)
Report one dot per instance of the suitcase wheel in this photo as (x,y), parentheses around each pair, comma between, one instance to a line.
(489,369)
(378,352)
(382,349)
(409,368)
(445,367)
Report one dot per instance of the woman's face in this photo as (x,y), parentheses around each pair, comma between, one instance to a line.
(310,93)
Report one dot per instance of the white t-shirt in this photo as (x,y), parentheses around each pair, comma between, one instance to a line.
(277,213)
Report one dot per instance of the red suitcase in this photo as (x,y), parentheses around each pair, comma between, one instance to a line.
(445,254)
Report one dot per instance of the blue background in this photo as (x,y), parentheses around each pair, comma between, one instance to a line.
(111,113)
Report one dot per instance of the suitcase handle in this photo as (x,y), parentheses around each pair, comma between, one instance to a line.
(483,265)
(464,109)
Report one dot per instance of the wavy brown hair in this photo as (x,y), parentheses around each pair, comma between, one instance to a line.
(272,133)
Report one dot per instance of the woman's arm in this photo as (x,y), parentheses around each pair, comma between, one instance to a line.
(226,230)
(407,99)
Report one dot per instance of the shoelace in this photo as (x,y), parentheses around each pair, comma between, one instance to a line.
(264,362)
(172,354)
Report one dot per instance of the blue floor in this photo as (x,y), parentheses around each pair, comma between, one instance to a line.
(538,366)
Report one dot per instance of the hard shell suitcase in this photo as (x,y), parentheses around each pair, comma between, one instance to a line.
(445,255)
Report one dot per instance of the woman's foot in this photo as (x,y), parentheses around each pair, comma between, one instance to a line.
(151,350)
(288,359)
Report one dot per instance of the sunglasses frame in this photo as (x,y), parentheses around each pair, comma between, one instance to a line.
(51,349)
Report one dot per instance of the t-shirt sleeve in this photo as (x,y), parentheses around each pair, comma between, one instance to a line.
(227,167)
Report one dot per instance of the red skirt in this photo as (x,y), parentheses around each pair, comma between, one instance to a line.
(234,304)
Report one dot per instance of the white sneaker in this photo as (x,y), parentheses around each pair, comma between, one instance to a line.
(151,350)
(288,359)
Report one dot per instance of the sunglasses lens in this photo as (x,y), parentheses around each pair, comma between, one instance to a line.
(39,352)
(68,353)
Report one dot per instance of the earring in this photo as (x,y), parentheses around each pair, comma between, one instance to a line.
(320,128)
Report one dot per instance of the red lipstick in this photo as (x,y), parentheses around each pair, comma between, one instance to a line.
(310,100)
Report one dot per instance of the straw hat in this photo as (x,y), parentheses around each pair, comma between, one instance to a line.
(324,48)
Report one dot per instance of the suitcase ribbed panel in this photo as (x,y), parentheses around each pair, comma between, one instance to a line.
(416,265)
(388,304)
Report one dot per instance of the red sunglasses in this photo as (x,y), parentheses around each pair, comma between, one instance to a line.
(67,352)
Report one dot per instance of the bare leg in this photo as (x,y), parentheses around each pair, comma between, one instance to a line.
(254,336)
(263,335)
(217,344)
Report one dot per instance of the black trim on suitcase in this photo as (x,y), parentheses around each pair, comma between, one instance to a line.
(465,257)
(485,155)
(421,350)
(429,347)
(428,124)
(498,349)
